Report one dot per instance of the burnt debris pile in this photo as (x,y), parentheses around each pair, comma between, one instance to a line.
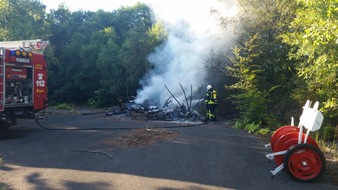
(172,110)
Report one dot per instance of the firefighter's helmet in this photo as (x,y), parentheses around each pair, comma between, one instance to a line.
(209,87)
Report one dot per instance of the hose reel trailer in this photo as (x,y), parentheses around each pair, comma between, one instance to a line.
(294,151)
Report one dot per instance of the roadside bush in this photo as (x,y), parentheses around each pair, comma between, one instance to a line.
(329,134)
(239,125)
(252,128)
(263,131)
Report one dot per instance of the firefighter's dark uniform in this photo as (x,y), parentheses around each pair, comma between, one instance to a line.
(211,101)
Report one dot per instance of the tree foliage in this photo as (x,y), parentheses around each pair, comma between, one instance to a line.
(22,19)
(265,76)
(313,38)
(102,55)
(285,53)
(93,57)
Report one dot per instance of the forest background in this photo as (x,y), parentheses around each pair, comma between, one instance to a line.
(286,53)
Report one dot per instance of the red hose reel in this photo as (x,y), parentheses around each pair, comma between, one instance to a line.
(296,152)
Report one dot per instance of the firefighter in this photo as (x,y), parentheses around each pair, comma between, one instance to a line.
(211,101)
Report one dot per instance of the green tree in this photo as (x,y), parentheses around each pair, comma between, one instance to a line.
(101,55)
(111,70)
(264,74)
(123,60)
(313,38)
(249,99)
(4,12)
(140,40)
(23,20)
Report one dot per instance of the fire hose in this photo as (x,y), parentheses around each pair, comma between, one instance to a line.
(112,129)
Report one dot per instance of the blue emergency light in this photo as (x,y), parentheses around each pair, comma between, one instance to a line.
(12,52)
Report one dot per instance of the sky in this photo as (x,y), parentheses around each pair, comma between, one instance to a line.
(88,5)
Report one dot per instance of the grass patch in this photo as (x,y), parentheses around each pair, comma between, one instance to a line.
(64,106)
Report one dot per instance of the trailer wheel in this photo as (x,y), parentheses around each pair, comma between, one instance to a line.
(304,162)
(287,142)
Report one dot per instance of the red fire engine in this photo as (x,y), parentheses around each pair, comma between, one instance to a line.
(23,80)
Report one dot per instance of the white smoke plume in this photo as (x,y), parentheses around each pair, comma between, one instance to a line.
(194,30)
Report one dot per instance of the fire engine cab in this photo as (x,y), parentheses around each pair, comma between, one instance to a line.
(23,80)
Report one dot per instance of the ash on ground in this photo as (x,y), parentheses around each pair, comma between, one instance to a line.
(140,137)
(171,114)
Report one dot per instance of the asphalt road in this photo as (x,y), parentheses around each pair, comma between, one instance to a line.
(213,156)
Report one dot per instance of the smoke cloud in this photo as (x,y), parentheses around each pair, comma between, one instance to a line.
(194,30)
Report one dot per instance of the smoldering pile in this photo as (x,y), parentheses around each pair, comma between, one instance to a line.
(172,110)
